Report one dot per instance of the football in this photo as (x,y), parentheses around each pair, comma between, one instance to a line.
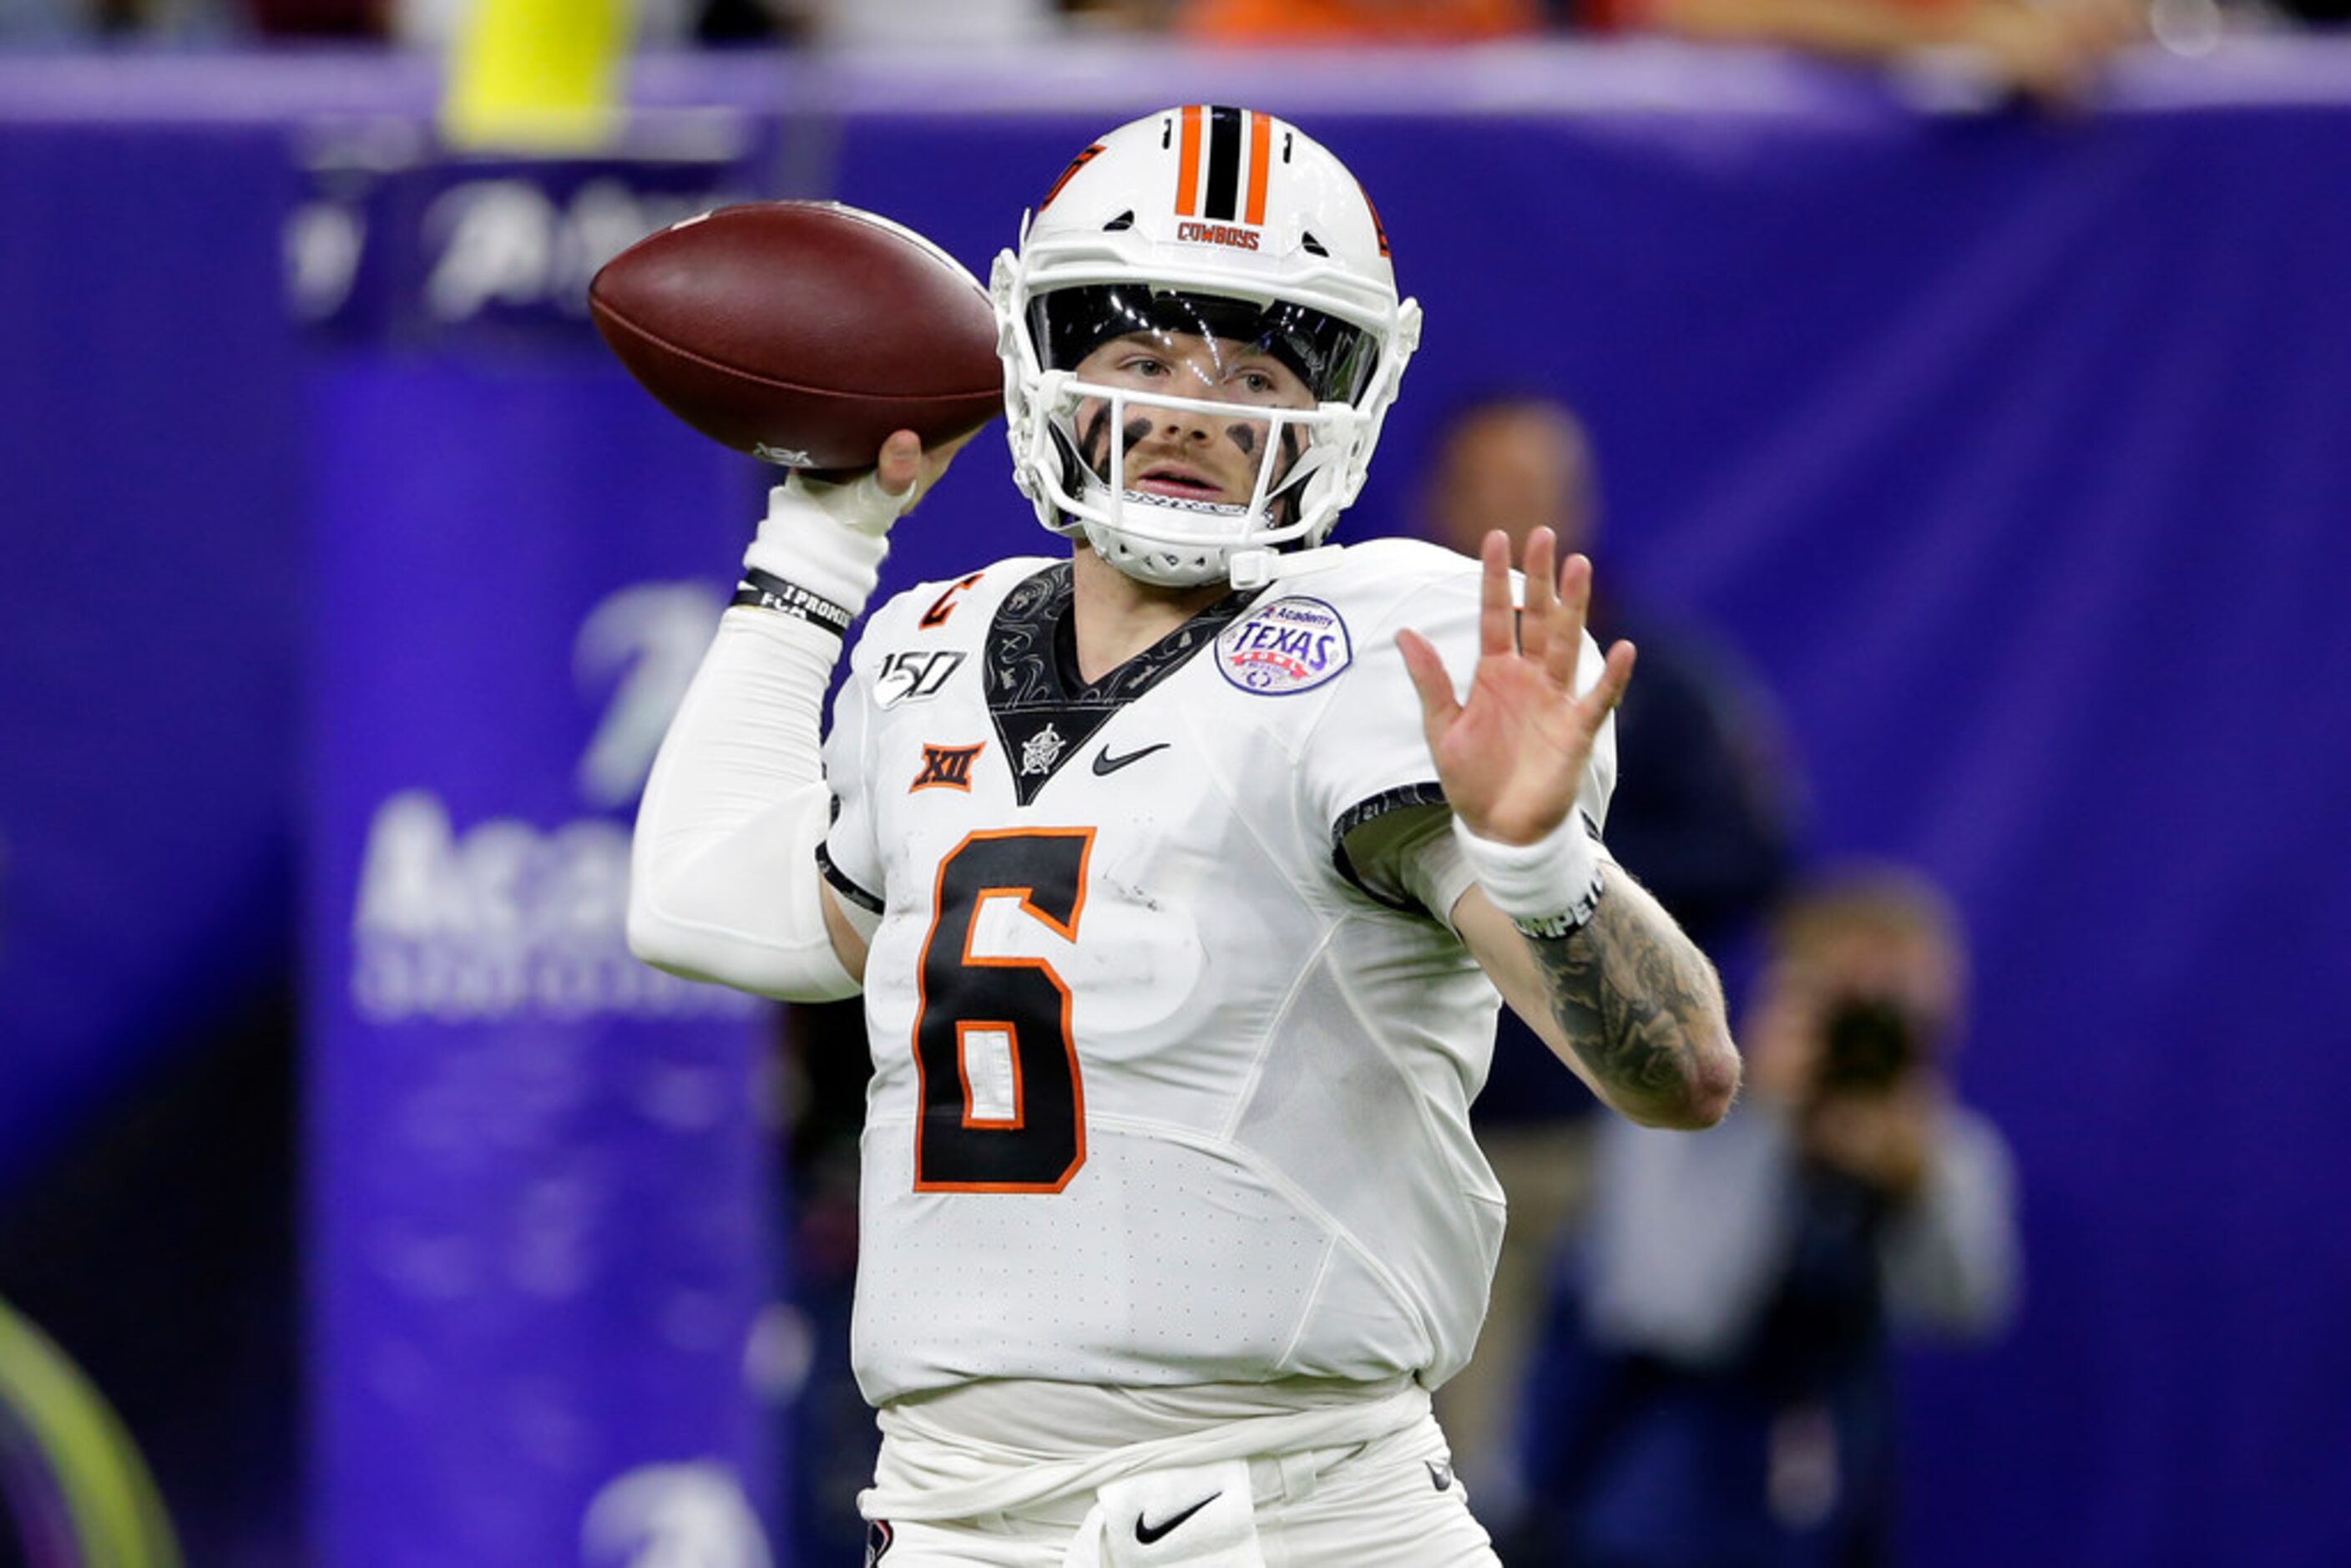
(802,332)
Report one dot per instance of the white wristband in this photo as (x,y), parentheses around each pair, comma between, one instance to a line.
(1549,888)
(828,539)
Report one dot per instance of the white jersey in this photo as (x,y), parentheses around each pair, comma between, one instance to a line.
(1164,1093)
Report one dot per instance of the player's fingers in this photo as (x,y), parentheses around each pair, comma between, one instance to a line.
(1535,624)
(1427,667)
(1575,587)
(1496,620)
(901,462)
(1615,675)
(1566,639)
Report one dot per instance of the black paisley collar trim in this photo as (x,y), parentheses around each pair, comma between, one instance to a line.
(1043,713)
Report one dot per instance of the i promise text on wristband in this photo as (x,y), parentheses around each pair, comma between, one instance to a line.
(766,591)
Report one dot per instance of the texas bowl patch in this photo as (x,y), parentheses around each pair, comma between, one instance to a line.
(1290,645)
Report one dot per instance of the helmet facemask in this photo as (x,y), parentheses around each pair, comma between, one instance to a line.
(1165,486)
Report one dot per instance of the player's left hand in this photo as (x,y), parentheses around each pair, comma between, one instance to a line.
(1513,756)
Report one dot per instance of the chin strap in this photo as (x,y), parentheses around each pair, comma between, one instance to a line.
(1251,568)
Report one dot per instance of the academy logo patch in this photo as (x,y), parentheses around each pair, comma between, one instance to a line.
(1292,644)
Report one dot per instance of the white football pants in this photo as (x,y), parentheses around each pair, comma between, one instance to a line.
(1390,1503)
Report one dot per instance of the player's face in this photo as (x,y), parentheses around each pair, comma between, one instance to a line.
(1190,455)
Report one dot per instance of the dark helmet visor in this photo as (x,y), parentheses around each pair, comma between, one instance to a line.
(1334,358)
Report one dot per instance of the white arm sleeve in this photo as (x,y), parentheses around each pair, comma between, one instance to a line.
(723,878)
(723,883)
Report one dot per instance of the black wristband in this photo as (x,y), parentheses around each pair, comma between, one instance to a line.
(765,590)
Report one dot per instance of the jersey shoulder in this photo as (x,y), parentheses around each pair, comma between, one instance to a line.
(1377,578)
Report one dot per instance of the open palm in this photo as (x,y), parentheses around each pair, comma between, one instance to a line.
(1513,756)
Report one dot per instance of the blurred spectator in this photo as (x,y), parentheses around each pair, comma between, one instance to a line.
(43,21)
(71,21)
(924,24)
(1722,1389)
(1358,21)
(361,19)
(728,22)
(2050,50)
(652,24)
(1703,814)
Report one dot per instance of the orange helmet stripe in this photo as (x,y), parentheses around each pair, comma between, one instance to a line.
(1188,164)
(1260,156)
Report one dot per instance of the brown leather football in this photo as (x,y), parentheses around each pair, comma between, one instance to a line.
(802,332)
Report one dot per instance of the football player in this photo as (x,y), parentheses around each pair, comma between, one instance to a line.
(1180,876)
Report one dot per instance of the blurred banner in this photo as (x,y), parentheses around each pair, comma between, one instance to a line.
(542,1219)
(150,414)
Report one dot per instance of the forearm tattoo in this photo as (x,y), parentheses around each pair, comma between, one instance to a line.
(1634,998)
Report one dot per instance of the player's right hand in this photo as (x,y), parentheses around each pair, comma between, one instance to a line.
(903,461)
(870,501)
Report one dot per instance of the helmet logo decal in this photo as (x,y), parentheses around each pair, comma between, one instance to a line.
(1210,180)
(1076,163)
(1216,234)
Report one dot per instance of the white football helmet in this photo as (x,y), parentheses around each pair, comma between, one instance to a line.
(1221,224)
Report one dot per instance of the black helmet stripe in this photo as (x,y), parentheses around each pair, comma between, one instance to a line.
(1224,163)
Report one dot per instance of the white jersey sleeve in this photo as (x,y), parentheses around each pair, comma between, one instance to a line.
(1368,757)
(849,857)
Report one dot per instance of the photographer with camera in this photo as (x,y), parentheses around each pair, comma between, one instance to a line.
(1718,1386)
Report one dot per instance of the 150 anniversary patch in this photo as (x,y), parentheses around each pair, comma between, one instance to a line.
(1290,645)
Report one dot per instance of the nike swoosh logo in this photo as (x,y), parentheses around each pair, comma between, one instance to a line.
(1440,1475)
(1105,763)
(1148,1533)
